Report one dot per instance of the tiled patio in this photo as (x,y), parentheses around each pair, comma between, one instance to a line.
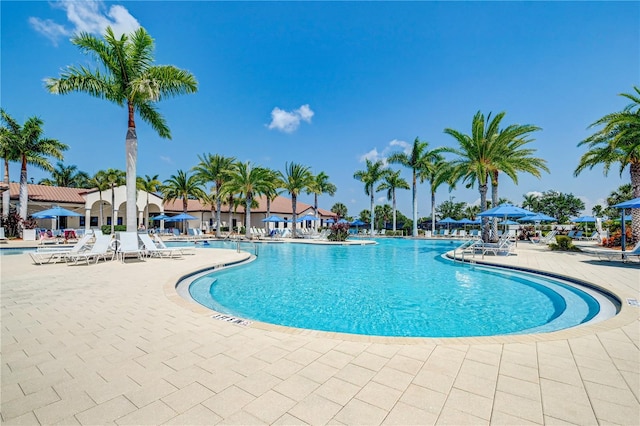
(114,344)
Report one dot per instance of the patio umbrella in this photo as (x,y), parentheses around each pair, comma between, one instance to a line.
(358,222)
(182,217)
(330,221)
(54,212)
(585,219)
(630,204)
(273,218)
(343,221)
(448,221)
(508,222)
(538,217)
(161,217)
(505,211)
(307,217)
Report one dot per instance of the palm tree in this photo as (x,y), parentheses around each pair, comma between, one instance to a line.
(182,186)
(320,185)
(8,152)
(372,175)
(148,184)
(114,178)
(296,179)
(416,161)
(66,176)
(214,169)
(393,181)
(127,77)
(248,182)
(617,142)
(436,171)
(531,202)
(272,193)
(100,182)
(340,210)
(29,146)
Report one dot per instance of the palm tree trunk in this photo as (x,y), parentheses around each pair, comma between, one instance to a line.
(113,206)
(101,210)
(634,170)
(433,211)
(247,217)
(394,212)
(414,230)
(266,224)
(185,223)
(6,194)
(494,203)
(218,212)
(373,215)
(483,204)
(315,210)
(147,207)
(230,214)
(131,149)
(294,203)
(24,191)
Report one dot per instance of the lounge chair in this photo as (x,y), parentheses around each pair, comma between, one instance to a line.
(544,240)
(616,254)
(593,237)
(48,255)
(151,249)
(183,250)
(101,249)
(129,244)
(3,238)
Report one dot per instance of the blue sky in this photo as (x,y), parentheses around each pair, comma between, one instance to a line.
(329,84)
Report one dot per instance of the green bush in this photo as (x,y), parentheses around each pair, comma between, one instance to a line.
(106,229)
(563,243)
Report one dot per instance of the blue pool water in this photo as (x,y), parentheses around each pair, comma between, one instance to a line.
(399,287)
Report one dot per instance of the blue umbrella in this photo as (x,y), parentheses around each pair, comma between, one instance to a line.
(508,222)
(465,221)
(584,219)
(448,220)
(330,221)
(307,217)
(538,217)
(161,217)
(54,212)
(343,221)
(630,204)
(273,218)
(180,217)
(358,222)
(505,210)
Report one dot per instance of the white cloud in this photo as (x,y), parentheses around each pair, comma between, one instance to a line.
(86,16)
(167,160)
(289,121)
(374,155)
(537,194)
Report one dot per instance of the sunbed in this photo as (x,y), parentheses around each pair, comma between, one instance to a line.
(48,255)
(183,250)
(616,254)
(544,240)
(151,249)
(129,244)
(101,249)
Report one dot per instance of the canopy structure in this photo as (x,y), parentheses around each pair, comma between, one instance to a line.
(55,212)
(273,218)
(630,204)
(307,217)
(505,211)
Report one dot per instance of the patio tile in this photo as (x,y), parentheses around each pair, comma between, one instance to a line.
(318,372)
(229,401)
(269,406)
(19,406)
(379,395)
(518,406)
(198,415)
(258,383)
(470,403)
(403,414)
(359,412)
(187,397)
(355,374)
(107,412)
(452,416)
(337,390)
(153,414)
(315,410)
(63,408)
(296,387)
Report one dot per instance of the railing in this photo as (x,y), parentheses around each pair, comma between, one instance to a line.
(465,245)
(254,245)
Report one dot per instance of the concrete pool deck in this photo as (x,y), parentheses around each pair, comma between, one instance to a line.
(114,344)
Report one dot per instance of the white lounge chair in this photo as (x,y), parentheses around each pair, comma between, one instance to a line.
(129,244)
(101,249)
(48,255)
(546,239)
(617,254)
(3,238)
(183,250)
(151,249)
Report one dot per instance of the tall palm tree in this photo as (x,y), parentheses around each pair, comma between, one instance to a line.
(29,146)
(476,155)
(248,182)
(373,173)
(436,171)
(321,185)
(273,192)
(296,179)
(100,182)
(618,142)
(418,159)
(182,186)
(531,202)
(8,152)
(127,77)
(148,184)
(66,176)
(114,178)
(393,181)
(214,169)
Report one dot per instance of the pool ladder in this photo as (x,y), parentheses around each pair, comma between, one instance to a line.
(254,245)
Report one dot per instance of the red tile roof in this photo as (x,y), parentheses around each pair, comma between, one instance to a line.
(49,193)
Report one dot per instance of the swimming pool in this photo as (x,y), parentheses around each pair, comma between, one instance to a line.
(399,287)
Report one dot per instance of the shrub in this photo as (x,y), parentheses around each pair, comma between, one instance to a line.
(615,240)
(563,243)
(339,232)
(106,229)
